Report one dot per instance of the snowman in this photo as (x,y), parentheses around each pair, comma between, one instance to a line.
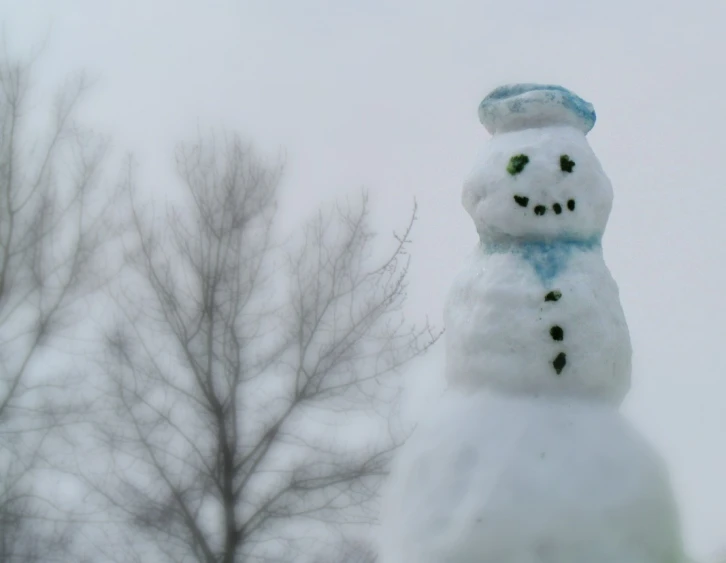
(526,457)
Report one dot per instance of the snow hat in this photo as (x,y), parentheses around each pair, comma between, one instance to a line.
(526,106)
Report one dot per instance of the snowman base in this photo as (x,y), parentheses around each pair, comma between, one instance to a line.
(515,479)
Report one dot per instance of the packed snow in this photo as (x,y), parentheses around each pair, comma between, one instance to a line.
(501,478)
(526,457)
(500,326)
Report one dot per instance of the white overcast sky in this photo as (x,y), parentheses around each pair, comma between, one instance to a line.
(383,95)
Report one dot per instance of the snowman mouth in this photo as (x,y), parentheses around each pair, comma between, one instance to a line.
(539,209)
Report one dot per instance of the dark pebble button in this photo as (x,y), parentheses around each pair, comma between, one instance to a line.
(521,200)
(553,295)
(540,210)
(557,208)
(557,333)
(571,204)
(559,362)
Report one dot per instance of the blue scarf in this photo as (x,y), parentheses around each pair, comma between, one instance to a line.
(548,258)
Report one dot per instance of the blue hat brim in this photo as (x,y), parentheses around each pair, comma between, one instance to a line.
(524,106)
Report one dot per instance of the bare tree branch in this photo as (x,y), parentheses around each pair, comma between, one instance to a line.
(237,368)
(51,234)
(350,551)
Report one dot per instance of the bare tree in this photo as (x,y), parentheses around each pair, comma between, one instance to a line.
(350,550)
(253,386)
(50,235)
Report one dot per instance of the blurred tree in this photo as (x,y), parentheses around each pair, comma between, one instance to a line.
(51,233)
(350,551)
(252,385)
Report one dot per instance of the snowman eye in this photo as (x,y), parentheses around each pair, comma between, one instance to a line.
(566,165)
(517,164)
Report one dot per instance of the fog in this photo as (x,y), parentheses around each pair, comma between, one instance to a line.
(383,95)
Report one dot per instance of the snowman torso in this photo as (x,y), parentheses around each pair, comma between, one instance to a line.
(538,319)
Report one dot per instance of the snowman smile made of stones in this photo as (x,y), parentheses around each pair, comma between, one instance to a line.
(517,164)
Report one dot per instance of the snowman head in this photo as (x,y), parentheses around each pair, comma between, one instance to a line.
(538,178)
